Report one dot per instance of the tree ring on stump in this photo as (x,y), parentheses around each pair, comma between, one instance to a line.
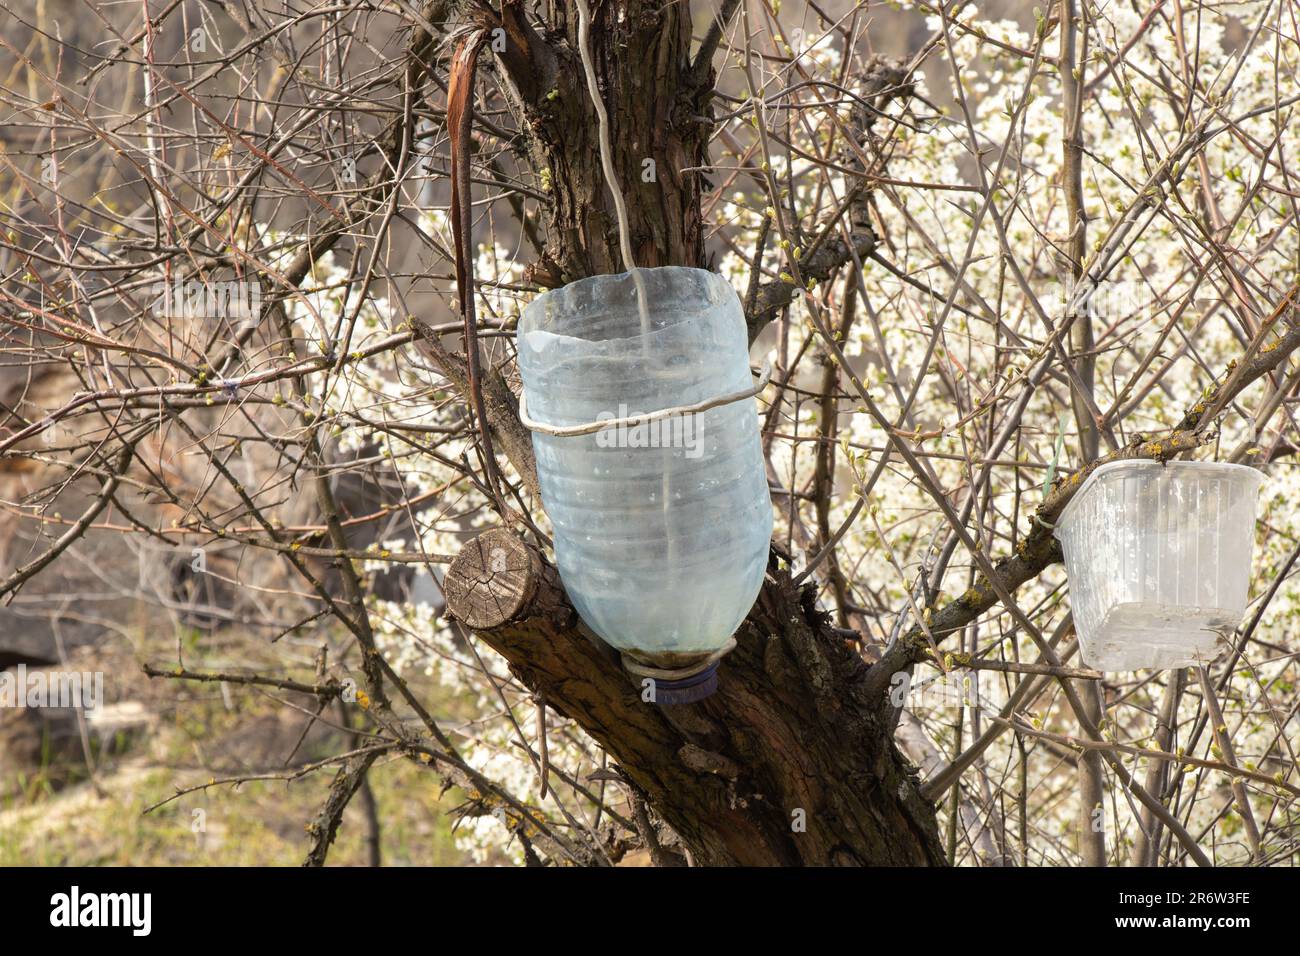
(492,580)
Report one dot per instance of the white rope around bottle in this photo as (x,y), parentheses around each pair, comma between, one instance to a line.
(606,151)
(634,666)
(589,428)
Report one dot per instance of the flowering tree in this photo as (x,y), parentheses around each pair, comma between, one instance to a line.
(981,269)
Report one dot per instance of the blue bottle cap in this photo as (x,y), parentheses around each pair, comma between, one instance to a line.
(688,690)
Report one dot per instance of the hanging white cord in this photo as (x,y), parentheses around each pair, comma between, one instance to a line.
(624,242)
(631,421)
(606,150)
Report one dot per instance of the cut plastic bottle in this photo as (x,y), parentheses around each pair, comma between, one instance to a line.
(1158,558)
(661,530)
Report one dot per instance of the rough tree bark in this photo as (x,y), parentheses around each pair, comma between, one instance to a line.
(792,761)
(661,120)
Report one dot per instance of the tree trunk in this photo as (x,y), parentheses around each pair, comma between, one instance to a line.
(792,760)
(660,122)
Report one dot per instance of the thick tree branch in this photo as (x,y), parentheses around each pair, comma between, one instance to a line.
(774,295)
(788,708)
(703,62)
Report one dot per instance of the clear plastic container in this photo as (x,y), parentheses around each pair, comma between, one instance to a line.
(661,531)
(1158,557)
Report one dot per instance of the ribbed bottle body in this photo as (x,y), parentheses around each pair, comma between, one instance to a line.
(1158,557)
(661,529)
